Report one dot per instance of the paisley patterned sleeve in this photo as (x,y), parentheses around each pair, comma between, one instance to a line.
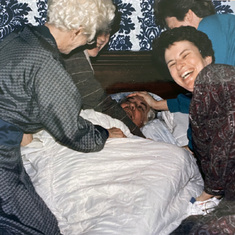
(212,116)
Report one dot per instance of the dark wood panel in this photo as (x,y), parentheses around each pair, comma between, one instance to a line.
(166,90)
(132,71)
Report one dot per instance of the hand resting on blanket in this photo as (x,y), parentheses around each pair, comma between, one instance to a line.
(27,138)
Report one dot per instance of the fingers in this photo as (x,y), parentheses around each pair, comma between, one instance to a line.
(27,139)
(204,196)
(116,133)
(138,93)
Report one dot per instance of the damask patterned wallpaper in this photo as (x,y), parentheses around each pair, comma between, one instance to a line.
(137,28)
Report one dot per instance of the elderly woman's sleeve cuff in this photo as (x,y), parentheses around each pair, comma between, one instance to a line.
(104,132)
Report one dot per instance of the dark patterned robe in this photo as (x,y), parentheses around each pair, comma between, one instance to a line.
(35,93)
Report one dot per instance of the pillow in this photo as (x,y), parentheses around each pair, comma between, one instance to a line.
(104,120)
(176,123)
(181,123)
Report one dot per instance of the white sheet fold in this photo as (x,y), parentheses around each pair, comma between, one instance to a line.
(132,186)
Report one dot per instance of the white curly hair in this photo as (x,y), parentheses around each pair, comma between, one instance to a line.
(91,15)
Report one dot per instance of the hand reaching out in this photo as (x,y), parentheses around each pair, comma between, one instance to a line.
(147,97)
(157,105)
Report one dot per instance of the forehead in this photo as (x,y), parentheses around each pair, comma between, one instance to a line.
(180,47)
(136,99)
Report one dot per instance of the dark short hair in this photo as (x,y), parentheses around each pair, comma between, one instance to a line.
(179,8)
(183,33)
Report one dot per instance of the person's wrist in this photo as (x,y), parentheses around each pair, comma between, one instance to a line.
(155,105)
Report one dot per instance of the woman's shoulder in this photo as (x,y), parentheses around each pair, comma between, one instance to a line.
(217,67)
(218,18)
(214,73)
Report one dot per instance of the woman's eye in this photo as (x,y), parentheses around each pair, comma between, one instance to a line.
(171,65)
(185,55)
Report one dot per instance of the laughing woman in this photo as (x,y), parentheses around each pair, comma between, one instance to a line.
(189,57)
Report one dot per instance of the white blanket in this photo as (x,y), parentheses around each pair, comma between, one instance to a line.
(133,186)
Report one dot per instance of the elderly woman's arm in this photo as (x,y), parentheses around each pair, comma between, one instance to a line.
(60,105)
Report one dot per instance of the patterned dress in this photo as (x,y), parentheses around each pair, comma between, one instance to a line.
(35,93)
(212,114)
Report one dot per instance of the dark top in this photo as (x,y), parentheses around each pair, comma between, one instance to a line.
(92,93)
(37,92)
(212,116)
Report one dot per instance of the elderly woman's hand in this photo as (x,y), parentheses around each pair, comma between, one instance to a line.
(27,139)
(116,133)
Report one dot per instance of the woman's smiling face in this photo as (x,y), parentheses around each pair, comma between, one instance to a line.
(184,62)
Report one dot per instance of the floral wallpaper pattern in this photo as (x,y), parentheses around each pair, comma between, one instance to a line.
(137,27)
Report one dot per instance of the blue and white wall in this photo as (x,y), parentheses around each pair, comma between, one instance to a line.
(138,24)
(137,28)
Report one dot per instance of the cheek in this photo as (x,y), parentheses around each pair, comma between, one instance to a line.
(82,40)
(123,106)
(201,66)
(174,74)
(140,116)
(94,52)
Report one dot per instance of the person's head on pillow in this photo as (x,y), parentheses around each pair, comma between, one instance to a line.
(138,110)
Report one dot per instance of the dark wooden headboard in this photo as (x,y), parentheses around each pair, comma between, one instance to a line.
(132,71)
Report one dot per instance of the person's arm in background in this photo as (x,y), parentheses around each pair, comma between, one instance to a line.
(106,104)
(93,95)
(157,105)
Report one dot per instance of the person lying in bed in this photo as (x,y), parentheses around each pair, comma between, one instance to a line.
(136,108)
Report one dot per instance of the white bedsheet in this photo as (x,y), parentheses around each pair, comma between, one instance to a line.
(133,186)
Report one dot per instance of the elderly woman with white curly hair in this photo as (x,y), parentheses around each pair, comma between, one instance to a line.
(37,93)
